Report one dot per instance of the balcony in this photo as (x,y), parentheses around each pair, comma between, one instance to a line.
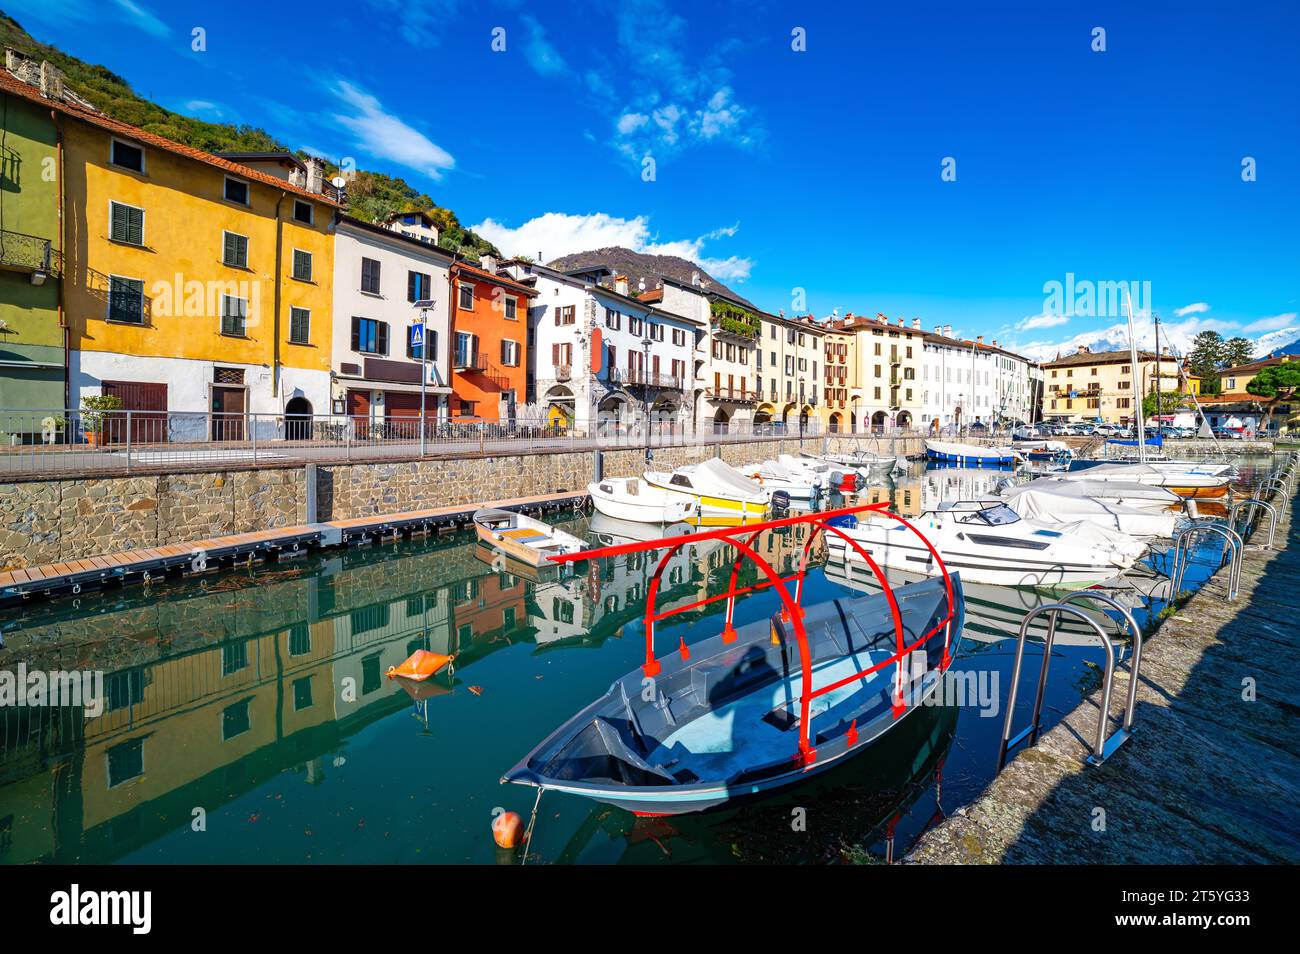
(461,361)
(27,253)
(639,378)
(740,395)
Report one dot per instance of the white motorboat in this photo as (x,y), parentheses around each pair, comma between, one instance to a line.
(522,537)
(1186,479)
(1059,501)
(988,542)
(723,495)
(773,475)
(1125,493)
(632,498)
(869,464)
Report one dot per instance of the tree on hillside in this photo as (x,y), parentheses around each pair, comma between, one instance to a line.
(1206,358)
(1237,351)
(1278,382)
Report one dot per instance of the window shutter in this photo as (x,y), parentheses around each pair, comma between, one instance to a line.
(382,336)
(555,355)
(356,334)
(231,254)
(410,287)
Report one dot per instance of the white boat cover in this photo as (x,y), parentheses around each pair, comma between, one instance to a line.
(1128,493)
(1057,507)
(1158,475)
(715,474)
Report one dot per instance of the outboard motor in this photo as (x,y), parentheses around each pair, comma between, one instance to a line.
(780,504)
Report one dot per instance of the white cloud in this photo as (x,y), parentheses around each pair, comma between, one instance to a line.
(1196,308)
(204,109)
(629,123)
(538,51)
(1274,323)
(1030,322)
(386,136)
(557,233)
(143,18)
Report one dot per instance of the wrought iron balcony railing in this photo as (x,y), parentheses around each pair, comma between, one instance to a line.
(28,253)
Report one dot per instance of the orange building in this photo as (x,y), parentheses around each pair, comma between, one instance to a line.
(489,342)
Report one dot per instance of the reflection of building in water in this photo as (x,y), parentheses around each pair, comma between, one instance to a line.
(253,679)
(903,494)
(960,483)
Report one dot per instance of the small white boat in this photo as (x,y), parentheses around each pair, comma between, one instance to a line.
(1186,479)
(724,496)
(1126,493)
(631,498)
(773,475)
(522,537)
(869,464)
(1060,502)
(988,542)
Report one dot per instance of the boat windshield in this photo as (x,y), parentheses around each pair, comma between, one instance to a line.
(999,515)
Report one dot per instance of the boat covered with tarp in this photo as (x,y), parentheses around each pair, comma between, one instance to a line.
(759,706)
(955,452)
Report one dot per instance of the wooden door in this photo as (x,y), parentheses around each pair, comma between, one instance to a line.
(359,413)
(228,405)
(147,402)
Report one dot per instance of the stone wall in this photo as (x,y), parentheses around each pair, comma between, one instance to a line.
(54,521)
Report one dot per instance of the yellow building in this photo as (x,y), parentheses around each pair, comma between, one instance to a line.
(1092,385)
(193,282)
(882,384)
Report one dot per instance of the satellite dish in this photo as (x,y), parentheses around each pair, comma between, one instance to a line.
(339,182)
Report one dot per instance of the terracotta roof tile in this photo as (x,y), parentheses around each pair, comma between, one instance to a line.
(11,84)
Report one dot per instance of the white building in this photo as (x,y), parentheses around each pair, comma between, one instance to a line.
(380,272)
(597,354)
(964,383)
(725,377)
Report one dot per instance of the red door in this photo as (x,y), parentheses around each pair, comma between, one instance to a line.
(359,412)
(147,403)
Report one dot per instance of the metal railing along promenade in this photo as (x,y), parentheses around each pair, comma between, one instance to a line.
(75,443)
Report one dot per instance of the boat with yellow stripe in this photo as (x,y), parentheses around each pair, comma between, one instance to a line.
(724,496)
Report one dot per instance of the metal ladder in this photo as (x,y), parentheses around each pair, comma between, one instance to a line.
(1103,746)
(1182,552)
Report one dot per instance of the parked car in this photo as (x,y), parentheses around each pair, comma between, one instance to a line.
(1026,432)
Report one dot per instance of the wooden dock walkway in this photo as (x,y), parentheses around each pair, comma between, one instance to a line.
(131,566)
(1212,772)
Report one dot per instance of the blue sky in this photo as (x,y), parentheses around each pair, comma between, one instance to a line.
(780,169)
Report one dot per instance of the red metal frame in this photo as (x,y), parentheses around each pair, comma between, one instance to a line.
(791,606)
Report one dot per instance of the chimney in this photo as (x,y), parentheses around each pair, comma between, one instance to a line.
(488,262)
(947,331)
(898,321)
(995,342)
(1083,349)
(315,175)
(51,80)
(916,323)
(979,339)
(620,284)
(938,329)
(695,278)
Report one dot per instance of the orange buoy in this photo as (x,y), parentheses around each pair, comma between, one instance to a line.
(508,830)
(420,666)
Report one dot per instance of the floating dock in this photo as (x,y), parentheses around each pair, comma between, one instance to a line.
(1211,773)
(142,565)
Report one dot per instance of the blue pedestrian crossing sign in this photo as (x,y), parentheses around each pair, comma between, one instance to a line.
(417,335)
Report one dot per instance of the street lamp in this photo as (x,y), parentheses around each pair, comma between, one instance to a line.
(646,342)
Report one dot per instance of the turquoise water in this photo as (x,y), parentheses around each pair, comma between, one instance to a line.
(248,718)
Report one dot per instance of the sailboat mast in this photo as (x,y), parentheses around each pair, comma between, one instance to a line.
(1137,387)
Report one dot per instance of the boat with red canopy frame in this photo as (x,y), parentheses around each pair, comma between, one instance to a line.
(732,715)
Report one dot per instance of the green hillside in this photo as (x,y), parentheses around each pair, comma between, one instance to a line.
(371,195)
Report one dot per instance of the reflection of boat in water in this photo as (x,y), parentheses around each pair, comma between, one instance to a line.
(522,537)
(860,803)
(610,530)
(990,543)
(721,724)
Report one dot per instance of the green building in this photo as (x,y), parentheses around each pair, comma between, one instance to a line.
(31,341)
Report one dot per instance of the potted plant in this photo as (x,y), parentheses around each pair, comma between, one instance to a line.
(94,408)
